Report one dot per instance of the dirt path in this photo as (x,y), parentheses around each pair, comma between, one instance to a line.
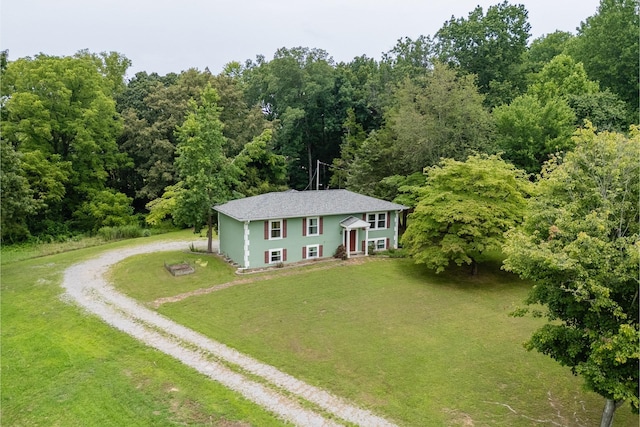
(276,391)
(324,265)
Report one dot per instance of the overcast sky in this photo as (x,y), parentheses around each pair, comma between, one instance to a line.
(171,36)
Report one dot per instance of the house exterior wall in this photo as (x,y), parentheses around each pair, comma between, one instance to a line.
(250,245)
(231,236)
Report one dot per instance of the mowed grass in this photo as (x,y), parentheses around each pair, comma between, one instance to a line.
(63,367)
(420,349)
(144,277)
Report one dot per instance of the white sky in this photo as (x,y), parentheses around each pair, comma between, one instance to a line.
(170,36)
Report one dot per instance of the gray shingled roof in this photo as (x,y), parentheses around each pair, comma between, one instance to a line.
(294,204)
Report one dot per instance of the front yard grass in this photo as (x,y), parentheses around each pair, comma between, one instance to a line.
(62,367)
(144,277)
(418,348)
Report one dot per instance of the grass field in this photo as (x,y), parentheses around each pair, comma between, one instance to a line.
(420,349)
(61,367)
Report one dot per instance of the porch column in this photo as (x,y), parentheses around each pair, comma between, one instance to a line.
(347,242)
(366,241)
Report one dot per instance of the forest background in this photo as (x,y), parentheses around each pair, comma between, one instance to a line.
(83,148)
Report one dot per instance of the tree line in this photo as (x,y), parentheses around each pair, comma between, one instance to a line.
(83,148)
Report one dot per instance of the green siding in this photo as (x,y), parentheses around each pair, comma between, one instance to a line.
(231,235)
(232,238)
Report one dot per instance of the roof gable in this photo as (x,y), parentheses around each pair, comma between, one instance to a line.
(295,204)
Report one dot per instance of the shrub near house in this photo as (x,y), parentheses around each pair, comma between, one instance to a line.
(293,226)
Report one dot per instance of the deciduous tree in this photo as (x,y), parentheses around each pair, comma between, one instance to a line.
(529,131)
(207,175)
(17,199)
(262,170)
(579,245)
(608,44)
(490,46)
(439,115)
(464,210)
(298,89)
(59,111)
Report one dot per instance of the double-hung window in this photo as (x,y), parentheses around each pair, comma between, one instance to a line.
(377,220)
(313,251)
(275,255)
(378,244)
(275,229)
(313,228)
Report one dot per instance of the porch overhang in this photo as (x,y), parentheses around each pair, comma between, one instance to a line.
(353,223)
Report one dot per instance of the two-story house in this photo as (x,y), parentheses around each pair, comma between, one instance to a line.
(292,226)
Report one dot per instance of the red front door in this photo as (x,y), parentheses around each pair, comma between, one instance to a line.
(352,240)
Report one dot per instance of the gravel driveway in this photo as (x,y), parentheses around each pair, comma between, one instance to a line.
(277,391)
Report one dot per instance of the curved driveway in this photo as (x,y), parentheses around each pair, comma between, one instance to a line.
(85,284)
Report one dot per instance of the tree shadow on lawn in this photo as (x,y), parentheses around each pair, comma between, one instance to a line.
(490,277)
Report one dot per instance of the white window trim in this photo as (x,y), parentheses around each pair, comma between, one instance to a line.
(375,243)
(375,224)
(271,221)
(317,233)
(272,251)
(317,251)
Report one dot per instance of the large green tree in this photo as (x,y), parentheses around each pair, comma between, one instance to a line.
(608,45)
(562,77)
(560,98)
(16,196)
(152,108)
(206,174)
(262,170)
(543,49)
(579,246)
(464,210)
(529,130)
(363,85)
(351,142)
(491,46)
(297,90)
(61,110)
(438,115)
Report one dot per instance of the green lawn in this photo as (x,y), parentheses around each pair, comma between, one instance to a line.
(417,348)
(61,367)
(144,278)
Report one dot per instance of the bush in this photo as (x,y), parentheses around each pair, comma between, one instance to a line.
(122,232)
(341,252)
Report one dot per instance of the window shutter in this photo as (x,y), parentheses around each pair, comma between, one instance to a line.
(364,216)
(388,219)
(320,226)
(304,227)
(304,252)
(320,251)
(284,255)
(284,228)
(363,243)
(266,230)
(387,246)
(266,257)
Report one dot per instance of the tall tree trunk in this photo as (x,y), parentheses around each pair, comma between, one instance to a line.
(210,233)
(608,412)
(474,267)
